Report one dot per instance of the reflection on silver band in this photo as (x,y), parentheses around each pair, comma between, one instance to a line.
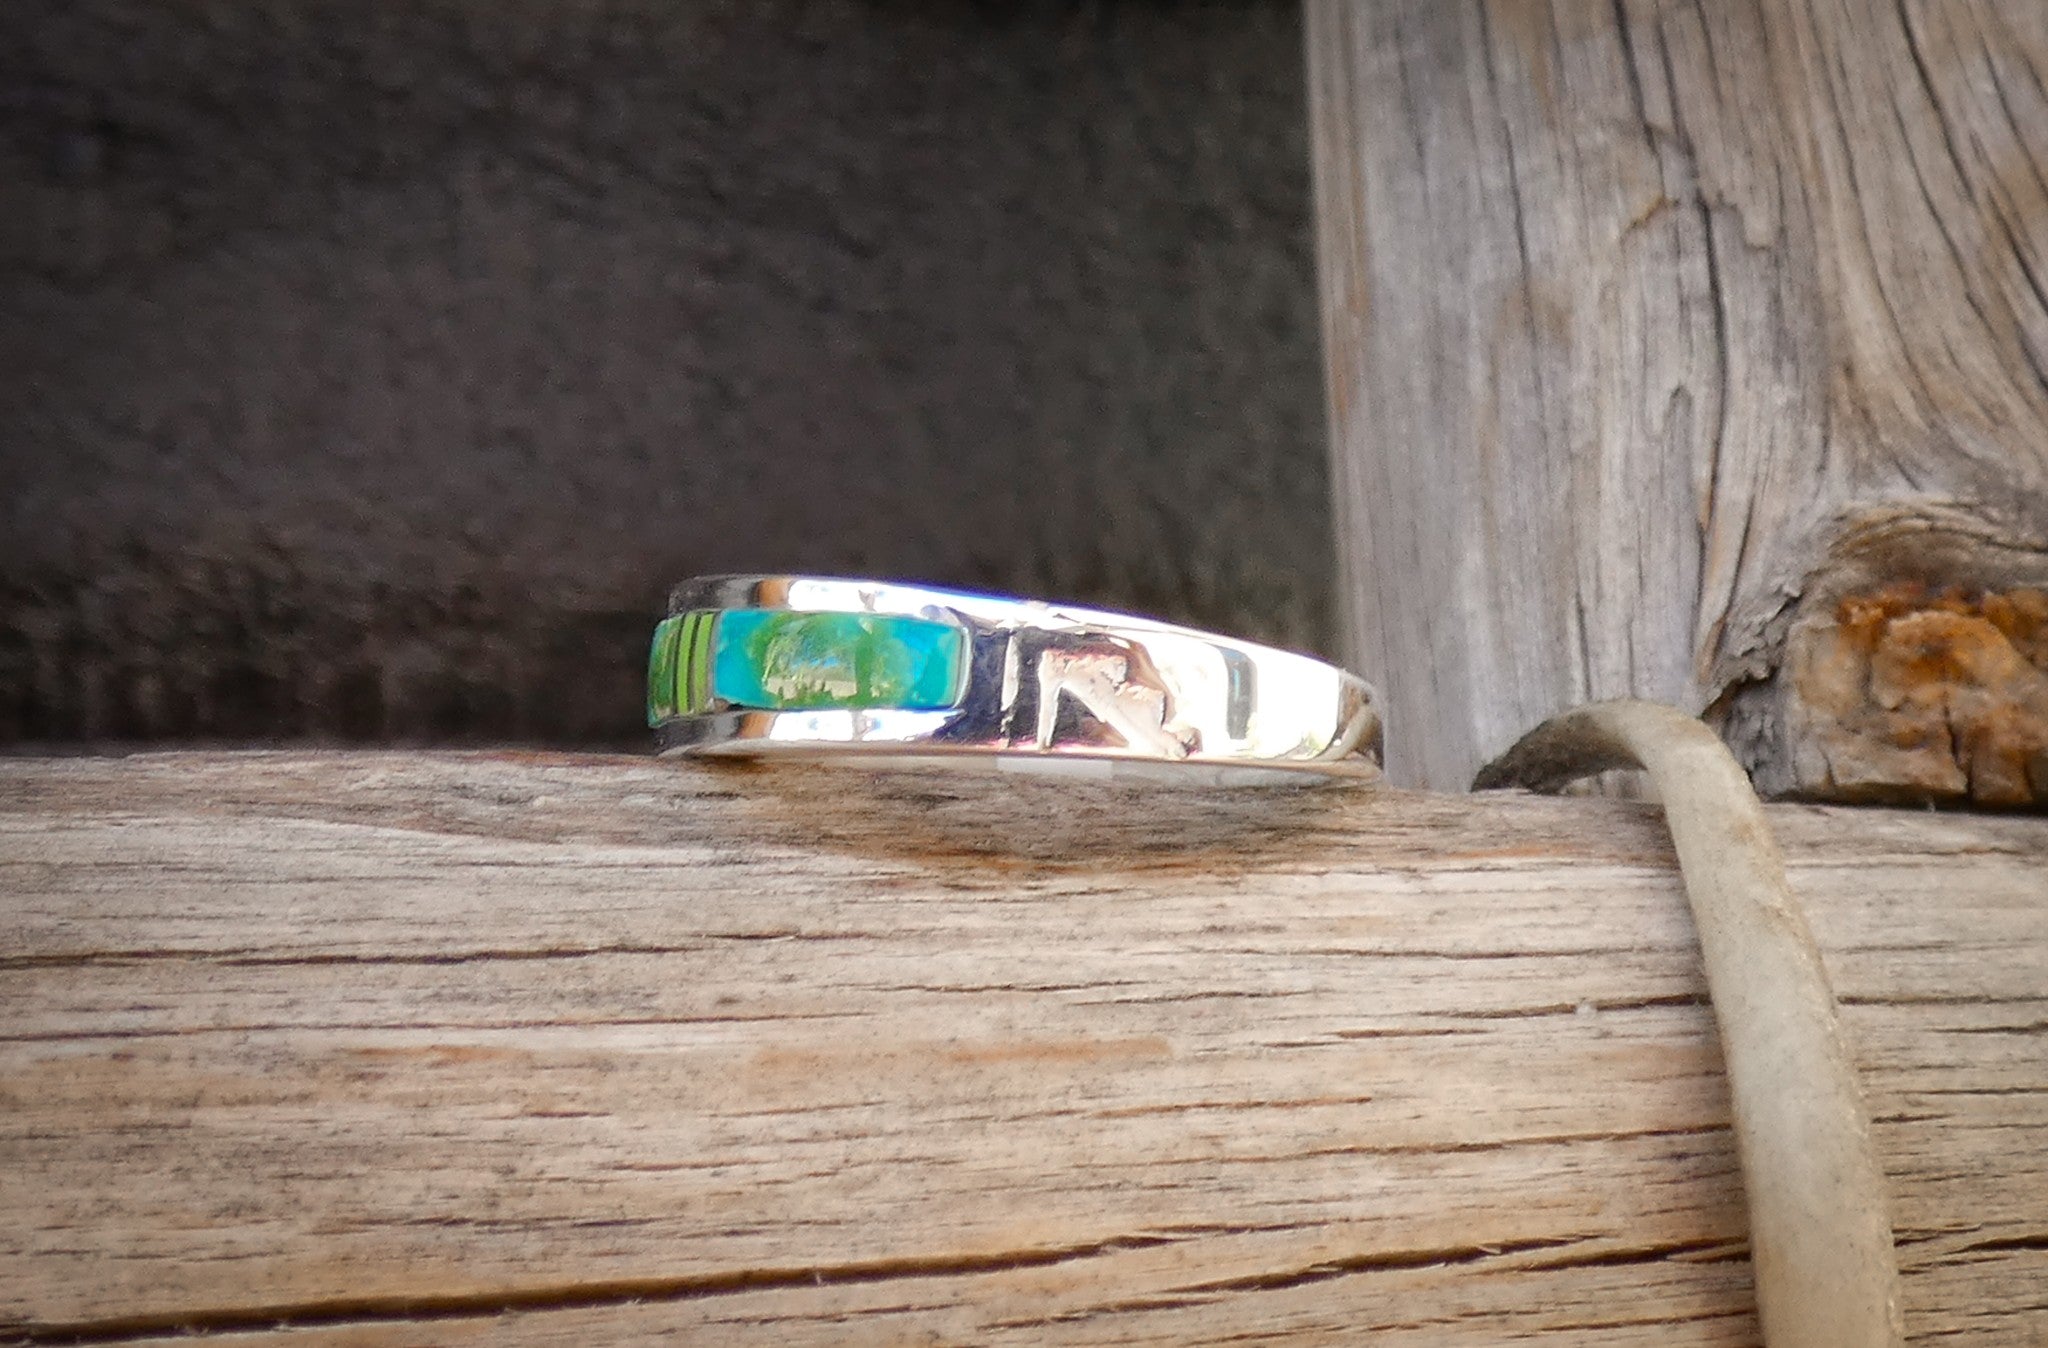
(1052,686)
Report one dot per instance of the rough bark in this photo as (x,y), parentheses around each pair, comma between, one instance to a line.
(1645,320)
(385,1049)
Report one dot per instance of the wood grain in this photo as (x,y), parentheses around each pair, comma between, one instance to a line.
(1645,320)
(419,1048)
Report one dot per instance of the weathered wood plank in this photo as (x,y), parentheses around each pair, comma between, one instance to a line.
(1698,353)
(406,1048)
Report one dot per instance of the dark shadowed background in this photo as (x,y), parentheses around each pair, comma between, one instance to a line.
(371,370)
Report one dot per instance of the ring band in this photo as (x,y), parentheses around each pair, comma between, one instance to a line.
(756,665)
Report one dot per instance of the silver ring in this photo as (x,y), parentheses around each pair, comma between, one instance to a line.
(805,665)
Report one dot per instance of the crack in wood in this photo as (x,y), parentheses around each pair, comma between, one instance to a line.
(2037,1240)
(1378,1261)
(1710,1250)
(335,1311)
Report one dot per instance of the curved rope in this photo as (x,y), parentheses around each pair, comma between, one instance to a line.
(1820,1242)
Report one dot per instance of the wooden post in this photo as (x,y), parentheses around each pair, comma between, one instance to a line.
(1695,352)
(399,1049)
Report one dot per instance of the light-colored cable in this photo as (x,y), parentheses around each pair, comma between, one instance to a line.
(1820,1240)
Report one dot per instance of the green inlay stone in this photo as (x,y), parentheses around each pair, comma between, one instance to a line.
(662,667)
(697,660)
(775,660)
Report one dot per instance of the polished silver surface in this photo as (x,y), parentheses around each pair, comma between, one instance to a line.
(1056,688)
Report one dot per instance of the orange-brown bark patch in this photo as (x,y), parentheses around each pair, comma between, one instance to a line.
(1914,692)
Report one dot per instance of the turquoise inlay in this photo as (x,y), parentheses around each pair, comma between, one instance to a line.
(776,660)
(662,668)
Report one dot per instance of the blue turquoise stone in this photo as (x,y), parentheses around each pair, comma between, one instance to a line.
(775,660)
